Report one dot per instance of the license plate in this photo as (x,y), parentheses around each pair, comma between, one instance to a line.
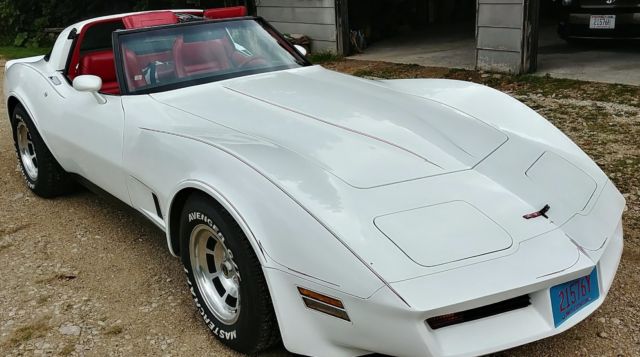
(602,22)
(570,297)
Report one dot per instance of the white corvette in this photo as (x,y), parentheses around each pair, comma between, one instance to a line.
(344,216)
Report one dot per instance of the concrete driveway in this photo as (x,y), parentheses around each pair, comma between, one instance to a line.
(443,46)
(599,61)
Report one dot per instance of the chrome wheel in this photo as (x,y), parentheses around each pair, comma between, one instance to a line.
(215,272)
(27,151)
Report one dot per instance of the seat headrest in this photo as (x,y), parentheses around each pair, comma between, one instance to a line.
(149,19)
(226,12)
(101,64)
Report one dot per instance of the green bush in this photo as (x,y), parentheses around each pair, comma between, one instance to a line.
(22,22)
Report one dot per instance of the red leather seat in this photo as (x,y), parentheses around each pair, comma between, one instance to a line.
(193,58)
(133,73)
(103,65)
(226,12)
(149,19)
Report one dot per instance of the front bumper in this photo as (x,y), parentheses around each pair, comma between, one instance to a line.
(383,323)
(576,25)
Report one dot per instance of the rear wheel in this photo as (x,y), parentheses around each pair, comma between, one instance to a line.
(42,173)
(225,277)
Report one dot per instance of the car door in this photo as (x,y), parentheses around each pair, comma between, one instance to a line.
(86,129)
(86,136)
(95,135)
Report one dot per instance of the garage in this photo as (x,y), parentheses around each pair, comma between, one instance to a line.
(595,59)
(484,34)
(439,32)
(511,36)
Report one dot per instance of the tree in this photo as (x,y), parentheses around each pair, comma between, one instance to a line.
(22,21)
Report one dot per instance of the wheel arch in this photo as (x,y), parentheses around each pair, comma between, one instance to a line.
(177,202)
(175,208)
(17,98)
(12,103)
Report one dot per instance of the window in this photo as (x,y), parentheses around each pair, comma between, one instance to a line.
(163,58)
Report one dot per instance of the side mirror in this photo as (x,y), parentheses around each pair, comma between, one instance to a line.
(302,50)
(90,84)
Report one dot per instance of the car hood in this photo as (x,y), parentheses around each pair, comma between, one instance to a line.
(365,134)
(412,186)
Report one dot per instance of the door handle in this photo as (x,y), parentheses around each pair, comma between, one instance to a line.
(55,80)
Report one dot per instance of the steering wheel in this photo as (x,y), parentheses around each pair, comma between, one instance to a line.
(254,60)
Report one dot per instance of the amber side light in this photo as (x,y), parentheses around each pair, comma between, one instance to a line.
(323,303)
(319,297)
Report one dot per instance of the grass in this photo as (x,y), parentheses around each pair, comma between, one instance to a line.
(56,277)
(10,52)
(324,57)
(520,85)
(67,350)
(114,330)
(5,246)
(34,330)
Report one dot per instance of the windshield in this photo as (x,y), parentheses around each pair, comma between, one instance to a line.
(179,56)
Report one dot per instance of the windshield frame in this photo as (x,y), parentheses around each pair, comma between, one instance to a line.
(120,72)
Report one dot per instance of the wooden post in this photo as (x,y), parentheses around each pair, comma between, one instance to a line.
(530,35)
(343,33)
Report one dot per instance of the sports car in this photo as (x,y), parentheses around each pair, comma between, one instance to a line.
(343,216)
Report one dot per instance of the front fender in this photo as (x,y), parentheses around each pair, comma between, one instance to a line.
(283,234)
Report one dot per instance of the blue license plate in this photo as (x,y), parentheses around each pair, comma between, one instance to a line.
(570,297)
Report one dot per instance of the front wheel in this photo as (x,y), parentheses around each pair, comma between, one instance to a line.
(225,277)
(42,173)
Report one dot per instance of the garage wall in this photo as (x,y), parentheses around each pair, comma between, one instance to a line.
(500,35)
(314,18)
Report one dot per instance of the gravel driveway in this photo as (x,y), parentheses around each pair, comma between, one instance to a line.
(83,276)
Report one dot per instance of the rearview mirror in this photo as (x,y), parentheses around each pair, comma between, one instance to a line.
(302,50)
(90,84)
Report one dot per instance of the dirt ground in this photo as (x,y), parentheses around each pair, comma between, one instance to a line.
(82,276)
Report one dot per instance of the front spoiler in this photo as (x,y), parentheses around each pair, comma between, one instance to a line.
(383,324)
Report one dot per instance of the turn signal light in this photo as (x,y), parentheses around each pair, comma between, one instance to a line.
(322,298)
(322,303)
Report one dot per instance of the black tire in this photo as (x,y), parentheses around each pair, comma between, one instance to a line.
(256,328)
(51,180)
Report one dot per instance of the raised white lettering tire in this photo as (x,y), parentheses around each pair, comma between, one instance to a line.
(42,173)
(225,277)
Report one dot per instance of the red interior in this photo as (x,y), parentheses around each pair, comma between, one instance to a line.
(150,19)
(200,57)
(135,63)
(145,59)
(226,12)
(76,57)
(191,58)
(103,65)
(135,79)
